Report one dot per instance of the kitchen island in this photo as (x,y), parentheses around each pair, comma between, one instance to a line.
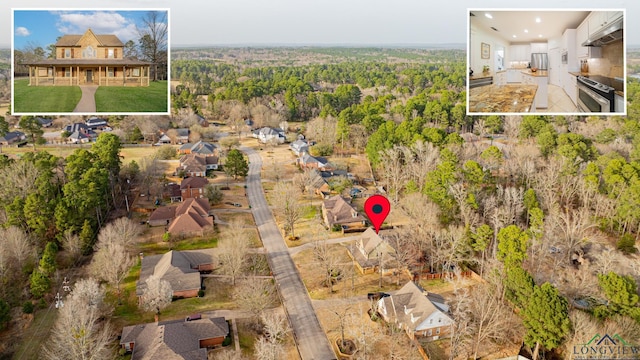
(510,98)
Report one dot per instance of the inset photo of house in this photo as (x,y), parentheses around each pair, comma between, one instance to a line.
(90,61)
(549,62)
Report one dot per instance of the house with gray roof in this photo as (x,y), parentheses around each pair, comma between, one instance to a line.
(180,268)
(419,315)
(299,147)
(174,339)
(312,162)
(12,137)
(201,148)
(266,134)
(369,250)
(337,211)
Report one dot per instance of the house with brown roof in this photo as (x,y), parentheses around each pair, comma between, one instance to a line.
(193,187)
(189,217)
(337,211)
(416,312)
(369,250)
(89,59)
(174,339)
(197,165)
(180,268)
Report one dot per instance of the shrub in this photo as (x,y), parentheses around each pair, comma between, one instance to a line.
(227,341)
(27,307)
(626,244)
(166,152)
(5,314)
(200,293)
(321,150)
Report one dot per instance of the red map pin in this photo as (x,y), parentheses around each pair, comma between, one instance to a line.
(377,208)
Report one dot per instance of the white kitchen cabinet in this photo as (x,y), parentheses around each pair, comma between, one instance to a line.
(571,87)
(520,53)
(569,46)
(539,47)
(601,19)
(541,100)
(514,75)
(619,104)
(582,35)
(554,43)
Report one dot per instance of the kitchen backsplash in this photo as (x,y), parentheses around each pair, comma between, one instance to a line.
(611,63)
(518,64)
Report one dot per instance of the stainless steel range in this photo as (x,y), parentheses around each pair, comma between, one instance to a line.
(597,93)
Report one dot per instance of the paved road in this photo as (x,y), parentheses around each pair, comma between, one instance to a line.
(87,102)
(310,338)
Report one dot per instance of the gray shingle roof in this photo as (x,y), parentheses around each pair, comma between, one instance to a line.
(179,268)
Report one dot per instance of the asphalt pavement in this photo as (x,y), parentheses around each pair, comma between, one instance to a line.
(310,338)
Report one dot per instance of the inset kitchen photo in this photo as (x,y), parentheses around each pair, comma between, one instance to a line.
(90,61)
(546,62)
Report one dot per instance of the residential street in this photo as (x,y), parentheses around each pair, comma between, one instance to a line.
(310,338)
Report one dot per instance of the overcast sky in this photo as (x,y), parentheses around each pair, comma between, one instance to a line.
(316,22)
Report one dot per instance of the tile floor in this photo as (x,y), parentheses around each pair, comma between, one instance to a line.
(559,101)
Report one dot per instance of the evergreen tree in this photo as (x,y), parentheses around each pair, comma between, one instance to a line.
(518,285)
(5,314)
(546,319)
(40,283)
(236,165)
(512,245)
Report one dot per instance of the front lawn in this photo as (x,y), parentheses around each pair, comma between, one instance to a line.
(152,98)
(44,98)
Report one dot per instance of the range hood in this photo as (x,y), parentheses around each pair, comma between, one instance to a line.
(606,35)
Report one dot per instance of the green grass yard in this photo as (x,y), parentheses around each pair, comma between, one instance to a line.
(133,98)
(45,98)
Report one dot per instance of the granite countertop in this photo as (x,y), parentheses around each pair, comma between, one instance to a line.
(510,98)
(539,73)
(480,75)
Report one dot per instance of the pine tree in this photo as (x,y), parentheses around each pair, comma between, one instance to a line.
(236,165)
(546,319)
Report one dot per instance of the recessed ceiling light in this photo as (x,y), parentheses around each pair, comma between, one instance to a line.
(488,15)
(540,35)
(514,36)
(538,20)
(526,31)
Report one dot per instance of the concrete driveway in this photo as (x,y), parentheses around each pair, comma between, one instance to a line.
(310,338)
(87,102)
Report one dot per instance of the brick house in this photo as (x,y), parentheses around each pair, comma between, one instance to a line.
(197,165)
(189,217)
(337,211)
(193,187)
(174,339)
(180,268)
(89,59)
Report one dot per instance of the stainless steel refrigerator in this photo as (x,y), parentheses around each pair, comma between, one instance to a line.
(540,61)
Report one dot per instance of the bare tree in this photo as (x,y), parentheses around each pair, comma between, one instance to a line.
(153,41)
(276,325)
(393,171)
(72,244)
(322,130)
(421,159)
(157,294)
(80,331)
(286,200)
(234,250)
(268,350)
(18,245)
(18,179)
(328,262)
(572,228)
(111,263)
(358,137)
(404,252)
(462,328)
(172,134)
(123,231)
(255,295)
(238,113)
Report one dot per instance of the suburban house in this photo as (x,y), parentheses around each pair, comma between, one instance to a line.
(317,184)
(368,250)
(337,211)
(201,120)
(181,269)
(12,137)
(197,165)
(174,339)
(191,216)
(306,161)
(182,136)
(267,134)
(89,59)
(299,147)
(96,123)
(79,133)
(417,313)
(200,148)
(45,123)
(164,139)
(193,187)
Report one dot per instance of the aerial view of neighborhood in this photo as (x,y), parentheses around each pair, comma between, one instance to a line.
(315,201)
